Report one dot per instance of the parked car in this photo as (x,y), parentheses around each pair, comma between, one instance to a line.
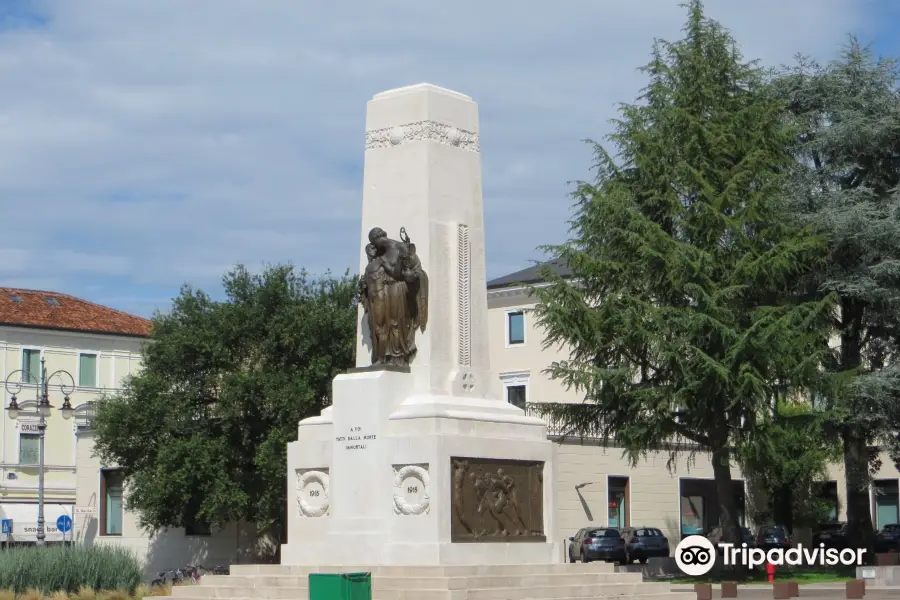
(832,535)
(642,543)
(888,539)
(771,537)
(715,536)
(598,543)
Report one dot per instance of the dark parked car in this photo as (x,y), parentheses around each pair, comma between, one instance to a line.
(833,535)
(773,536)
(598,543)
(888,539)
(715,536)
(642,543)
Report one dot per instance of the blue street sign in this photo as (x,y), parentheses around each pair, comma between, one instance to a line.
(64,523)
(7,527)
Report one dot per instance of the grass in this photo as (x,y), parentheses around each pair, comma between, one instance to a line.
(86,593)
(758,576)
(37,573)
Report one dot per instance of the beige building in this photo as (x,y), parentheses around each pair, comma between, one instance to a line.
(596,484)
(87,350)
(100,494)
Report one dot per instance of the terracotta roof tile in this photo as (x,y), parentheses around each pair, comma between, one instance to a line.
(35,308)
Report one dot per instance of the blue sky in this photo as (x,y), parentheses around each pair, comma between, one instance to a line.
(149,143)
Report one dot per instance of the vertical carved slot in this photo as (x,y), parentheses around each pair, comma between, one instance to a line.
(464,291)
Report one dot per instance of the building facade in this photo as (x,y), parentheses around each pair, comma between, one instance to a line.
(101,495)
(596,484)
(87,351)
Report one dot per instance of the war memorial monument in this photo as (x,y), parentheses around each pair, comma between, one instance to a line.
(418,472)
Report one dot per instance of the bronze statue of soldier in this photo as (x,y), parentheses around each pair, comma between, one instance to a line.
(394,294)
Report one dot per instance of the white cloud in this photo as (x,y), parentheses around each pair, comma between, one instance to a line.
(150,142)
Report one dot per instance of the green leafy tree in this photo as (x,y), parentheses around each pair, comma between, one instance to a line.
(201,432)
(788,461)
(680,315)
(845,184)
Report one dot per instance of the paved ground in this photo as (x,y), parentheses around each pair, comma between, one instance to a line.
(821,591)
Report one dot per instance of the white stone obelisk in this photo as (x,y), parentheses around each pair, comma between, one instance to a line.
(369,479)
(423,172)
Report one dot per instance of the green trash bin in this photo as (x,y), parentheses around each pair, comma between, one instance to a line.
(340,586)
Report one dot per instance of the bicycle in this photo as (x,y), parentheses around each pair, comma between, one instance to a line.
(177,578)
(193,573)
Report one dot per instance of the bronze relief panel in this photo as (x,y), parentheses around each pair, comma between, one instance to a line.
(497,500)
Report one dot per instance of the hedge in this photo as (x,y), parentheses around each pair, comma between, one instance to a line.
(69,569)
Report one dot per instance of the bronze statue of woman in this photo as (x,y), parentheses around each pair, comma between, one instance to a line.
(394,294)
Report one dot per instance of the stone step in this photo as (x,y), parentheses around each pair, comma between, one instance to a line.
(415,582)
(407,592)
(566,591)
(659,596)
(426,570)
(461,595)
(524,594)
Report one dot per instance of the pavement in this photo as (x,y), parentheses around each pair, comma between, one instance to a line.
(812,591)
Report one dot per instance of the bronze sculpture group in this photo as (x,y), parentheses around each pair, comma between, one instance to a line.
(393,290)
(487,499)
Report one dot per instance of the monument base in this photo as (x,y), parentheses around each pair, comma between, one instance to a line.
(383,477)
(344,552)
(483,582)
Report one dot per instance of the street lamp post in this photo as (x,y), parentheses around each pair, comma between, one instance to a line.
(43,411)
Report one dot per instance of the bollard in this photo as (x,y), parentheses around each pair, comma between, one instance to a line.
(729,589)
(886,559)
(856,589)
(704,591)
(781,590)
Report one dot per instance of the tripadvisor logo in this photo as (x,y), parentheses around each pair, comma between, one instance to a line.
(695,555)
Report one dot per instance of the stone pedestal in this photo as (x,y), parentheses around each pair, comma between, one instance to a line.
(423,465)
(371,483)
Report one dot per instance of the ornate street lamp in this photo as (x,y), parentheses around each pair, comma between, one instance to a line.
(43,410)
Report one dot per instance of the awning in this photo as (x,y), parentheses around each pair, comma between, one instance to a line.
(24,521)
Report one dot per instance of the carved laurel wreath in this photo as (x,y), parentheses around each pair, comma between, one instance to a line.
(304,480)
(401,506)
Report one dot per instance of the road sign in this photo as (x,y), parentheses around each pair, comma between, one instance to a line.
(7,527)
(64,523)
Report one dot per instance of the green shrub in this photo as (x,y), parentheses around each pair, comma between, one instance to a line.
(57,568)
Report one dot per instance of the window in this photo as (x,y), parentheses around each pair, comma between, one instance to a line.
(886,503)
(111,509)
(515,387)
(618,501)
(15,298)
(515,328)
(828,494)
(515,394)
(31,365)
(693,516)
(87,370)
(29,448)
(51,301)
(598,533)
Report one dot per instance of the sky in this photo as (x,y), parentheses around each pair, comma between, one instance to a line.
(152,143)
